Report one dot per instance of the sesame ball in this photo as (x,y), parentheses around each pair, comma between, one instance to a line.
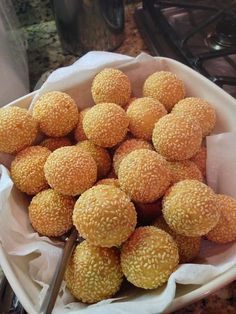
(70,171)
(54,143)
(149,257)
(50,213)
(111,86)
(93,273)
(79,131)
(225,229)
(27,169)
(18,129)
(112,174)
(143,113)
(198,109)
(105,216)
(190,208)
(99,154)
(146,213)
(109,181)
(186,169)
(144,175)
(200,160)
(127,147)
(165,87)
(177,138)
(188,247)
(105,124)
(57,113)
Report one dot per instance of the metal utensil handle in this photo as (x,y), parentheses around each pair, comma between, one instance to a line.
(51,296)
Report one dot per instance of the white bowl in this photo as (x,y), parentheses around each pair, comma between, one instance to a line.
(15,269)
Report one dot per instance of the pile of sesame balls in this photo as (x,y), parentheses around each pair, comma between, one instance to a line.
(128,173)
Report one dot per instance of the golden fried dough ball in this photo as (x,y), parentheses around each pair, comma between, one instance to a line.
(149,257)
(93,273)
(225,229)
(191,208)
(127,147)
(147,212)
(50,213)
(70,171)
(99,154)
(109,181)
(200,160)
(176,137)
(105,216)
(105,124)
(79,131)
(198,109)
(182,170)
(53,143)
(27,169)
(143,113)
(111,86)
(112,174)
(18,129)
(165,87)
(57,113)
(188,247)
(144,175)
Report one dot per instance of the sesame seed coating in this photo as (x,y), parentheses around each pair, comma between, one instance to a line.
(144,175)
(200,159)
(143,113)
(225,230)
(54,143)
(99,154)
(93,273)
(27,169)
(186,169)
(165,87)
(105,124)
(111,86)
(70,171)
(149,257)
(198,109)
(57,113)
(18,129)
(105,216)
(127,147)
(79,131)
(188,247)
(109,181)
(50,213)
(176,137)
(190,208)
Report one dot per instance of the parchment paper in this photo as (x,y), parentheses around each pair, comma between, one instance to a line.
(19,239)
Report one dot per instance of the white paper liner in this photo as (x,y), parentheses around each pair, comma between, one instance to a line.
(19,239)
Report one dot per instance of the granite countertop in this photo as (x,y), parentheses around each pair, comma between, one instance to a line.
(45,54)
(44,50)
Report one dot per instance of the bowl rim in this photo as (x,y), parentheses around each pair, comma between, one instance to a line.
(203,291)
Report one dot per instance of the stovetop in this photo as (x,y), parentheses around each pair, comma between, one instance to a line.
(201,34)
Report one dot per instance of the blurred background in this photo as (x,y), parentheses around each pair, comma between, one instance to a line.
(43,35)
(39,44)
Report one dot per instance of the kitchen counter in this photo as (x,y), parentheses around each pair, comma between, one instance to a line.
(44,50)
(45,55)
